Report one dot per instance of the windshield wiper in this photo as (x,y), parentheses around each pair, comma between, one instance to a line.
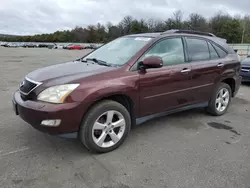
(98,61)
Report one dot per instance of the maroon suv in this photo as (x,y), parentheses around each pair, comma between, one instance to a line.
(127,81)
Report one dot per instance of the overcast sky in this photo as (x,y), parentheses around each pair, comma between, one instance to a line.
(46,16)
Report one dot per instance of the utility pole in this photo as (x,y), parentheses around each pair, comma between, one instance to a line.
(243,32)
(242,38)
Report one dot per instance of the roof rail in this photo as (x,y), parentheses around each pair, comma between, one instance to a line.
(171,31)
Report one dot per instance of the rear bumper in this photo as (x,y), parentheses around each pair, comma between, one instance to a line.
(238,81)
(34,112)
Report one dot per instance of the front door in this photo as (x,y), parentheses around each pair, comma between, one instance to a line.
(162,89)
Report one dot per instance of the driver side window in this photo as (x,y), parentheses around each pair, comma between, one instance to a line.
(170,50)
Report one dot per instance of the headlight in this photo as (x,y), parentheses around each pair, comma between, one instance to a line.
(57,94)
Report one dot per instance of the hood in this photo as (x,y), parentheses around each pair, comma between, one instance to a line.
(67,72)
(246,62)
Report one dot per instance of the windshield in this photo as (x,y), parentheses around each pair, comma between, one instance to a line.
(119,51)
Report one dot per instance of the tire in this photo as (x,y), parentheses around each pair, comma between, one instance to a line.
(213,104)
(87,129)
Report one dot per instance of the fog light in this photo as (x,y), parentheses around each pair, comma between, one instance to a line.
(51,122)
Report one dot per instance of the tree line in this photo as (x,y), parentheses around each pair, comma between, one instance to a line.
(235,29)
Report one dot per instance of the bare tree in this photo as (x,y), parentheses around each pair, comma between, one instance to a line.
(197,22)
(127,23)
(177,19)
(245,24)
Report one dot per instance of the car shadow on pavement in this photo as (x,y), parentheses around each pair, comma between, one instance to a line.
(193,119)
(183,120)
(46,143)
(179,119)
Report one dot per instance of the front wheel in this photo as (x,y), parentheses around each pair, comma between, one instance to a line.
(220,100)
(105,126)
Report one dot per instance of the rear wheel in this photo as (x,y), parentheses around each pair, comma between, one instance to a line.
(220,100)
(105,126)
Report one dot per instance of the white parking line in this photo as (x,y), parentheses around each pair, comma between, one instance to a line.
(15,151)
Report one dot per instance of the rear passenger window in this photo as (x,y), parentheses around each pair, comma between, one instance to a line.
(221,52)
(213,53)
(198,49)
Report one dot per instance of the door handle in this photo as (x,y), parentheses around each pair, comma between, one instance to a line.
(220,65)
(186,70)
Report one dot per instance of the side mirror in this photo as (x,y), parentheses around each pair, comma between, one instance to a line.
(150,62)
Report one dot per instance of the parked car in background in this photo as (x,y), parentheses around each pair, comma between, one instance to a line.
(55,46)
(245,69)
(91,46)
(21,44)
(11,45)
(3,43)
(75,47)
(30,45)
(58,46)
(67,45)
(6,44)
(43,45)
(129,80)
(51,46)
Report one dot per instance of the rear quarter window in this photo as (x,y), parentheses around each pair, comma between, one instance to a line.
(222,53)
(213,53)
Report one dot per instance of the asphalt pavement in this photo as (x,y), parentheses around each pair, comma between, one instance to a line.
(186,150)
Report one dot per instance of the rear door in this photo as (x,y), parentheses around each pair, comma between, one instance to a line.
(206,67)
(165,88)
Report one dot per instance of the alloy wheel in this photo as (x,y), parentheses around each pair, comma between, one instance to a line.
(108,129)
(222,99)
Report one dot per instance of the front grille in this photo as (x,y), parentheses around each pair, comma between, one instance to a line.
(245,68)
(27,86)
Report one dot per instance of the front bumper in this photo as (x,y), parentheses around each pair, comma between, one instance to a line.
(34,112)
(245,76)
